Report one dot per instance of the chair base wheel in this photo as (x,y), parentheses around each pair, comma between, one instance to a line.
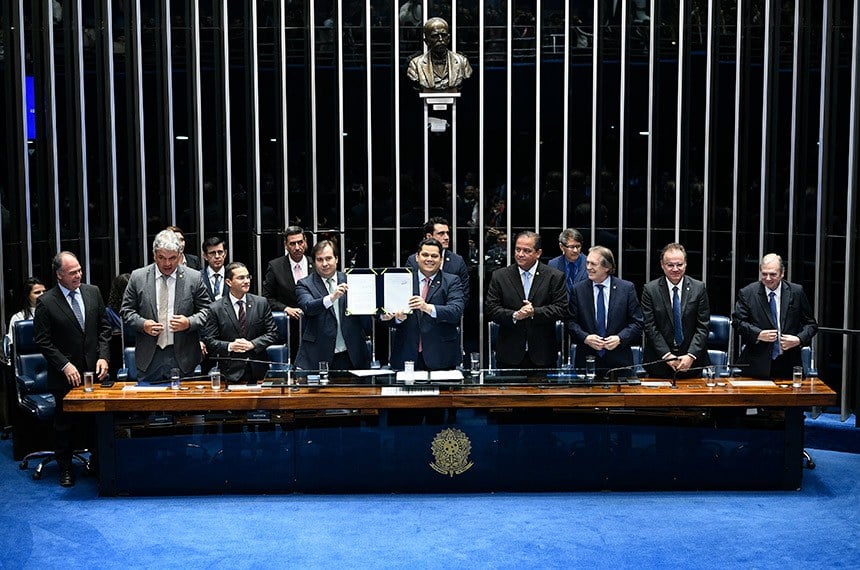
(37,475)
(23,465)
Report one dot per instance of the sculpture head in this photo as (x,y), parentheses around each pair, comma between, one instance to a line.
(436,37)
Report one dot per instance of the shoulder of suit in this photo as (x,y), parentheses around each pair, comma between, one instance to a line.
(548,268)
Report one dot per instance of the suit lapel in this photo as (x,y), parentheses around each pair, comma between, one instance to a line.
(66,309)
(762,298)
(227,306)
(784,304)
(151,285)
(517,281)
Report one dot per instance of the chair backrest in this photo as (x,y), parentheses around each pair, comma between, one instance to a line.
(718,357)
(280,351)
(809,369)
(719,332)
(31,368)
(493,335)
(638,369)
(129,371)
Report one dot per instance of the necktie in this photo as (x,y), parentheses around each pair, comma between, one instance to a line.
(774,351)
(163,299)
(339,343)
(243,318)
(76,309)
(297,272)
(527,283)
(424,290)
(676,313)
(600,312)
(216,285)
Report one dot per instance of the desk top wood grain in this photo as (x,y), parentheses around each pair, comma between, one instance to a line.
(689,393)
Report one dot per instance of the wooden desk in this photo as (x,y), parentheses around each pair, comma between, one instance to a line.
(467,438)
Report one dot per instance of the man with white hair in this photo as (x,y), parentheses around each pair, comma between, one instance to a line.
(166,305)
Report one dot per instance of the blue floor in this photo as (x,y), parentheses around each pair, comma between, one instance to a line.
(46,526)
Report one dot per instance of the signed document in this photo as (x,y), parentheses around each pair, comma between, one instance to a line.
(361,299)
(397,288)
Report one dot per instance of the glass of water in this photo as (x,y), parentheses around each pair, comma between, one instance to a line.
(323,368)
(215,379)
(797,377)
(475,362)
(175,379)
(590,368)
(710,376)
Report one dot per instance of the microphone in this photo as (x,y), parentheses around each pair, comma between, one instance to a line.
(236,359)
(610,374)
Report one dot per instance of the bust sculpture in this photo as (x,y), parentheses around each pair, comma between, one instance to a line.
(438,69)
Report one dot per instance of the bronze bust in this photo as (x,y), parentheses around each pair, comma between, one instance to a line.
(438,69)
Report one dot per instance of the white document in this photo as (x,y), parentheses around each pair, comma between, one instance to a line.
(397,288)
(361,299)
(446,375)
(371,372)
(403,376)
(144,388)
(656,383)
(751,383)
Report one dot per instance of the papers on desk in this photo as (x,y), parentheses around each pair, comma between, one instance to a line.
(244,388)
(144,388)
(438,375)
(371,372)
(656,383)
(752,383)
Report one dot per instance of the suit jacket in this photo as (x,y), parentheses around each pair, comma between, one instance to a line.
(624,318)
(660,323)
(279,286)
(60,338)
(207,282)
(222,328)
(548,295)
(558,263)
(420,69)
(453,264)
(193,262)
(319,326)
(752,315)
(140,303)
(440,336)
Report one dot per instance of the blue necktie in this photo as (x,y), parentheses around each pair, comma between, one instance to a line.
(76,309)
(527,283)
(676,312)
(601,317)
(774,352)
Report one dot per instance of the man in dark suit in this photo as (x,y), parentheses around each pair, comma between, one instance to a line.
(215,256)
(73,333)
(239,328)
(430,334)
(676,312)
(452,263)
(186,259)
(166,305)
(571,262)
(328,333)
(774,319)
(282,274)
(526,299)
(605,316)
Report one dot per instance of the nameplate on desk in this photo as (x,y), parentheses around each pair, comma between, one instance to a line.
(409,391)
(752,383)
(656,383)
(423,375)
(145,388)
(244,388)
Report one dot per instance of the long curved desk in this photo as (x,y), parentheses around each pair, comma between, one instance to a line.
(483,433)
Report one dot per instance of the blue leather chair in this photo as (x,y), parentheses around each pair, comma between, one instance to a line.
(280,353)
(493,335)
(719,332)
(34,397)
(638,370)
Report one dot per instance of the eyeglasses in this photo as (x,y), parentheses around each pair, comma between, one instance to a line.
(576,246)
(217,253)
(674,265)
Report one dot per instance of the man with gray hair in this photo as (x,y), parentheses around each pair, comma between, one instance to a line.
(774,319)
(165,304)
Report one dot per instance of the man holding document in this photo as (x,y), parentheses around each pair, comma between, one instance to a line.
(430,334)
(329,334)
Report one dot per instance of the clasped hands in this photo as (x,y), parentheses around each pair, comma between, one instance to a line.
(603,343)
(786,341)
(73,375)
(416,303)
(527,311)
(240,345)
(178,323)
(680,363)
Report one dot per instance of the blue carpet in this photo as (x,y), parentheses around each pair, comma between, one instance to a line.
(46,526)
(828,431)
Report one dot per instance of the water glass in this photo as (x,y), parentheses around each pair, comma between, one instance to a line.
(215,379)
(323,368)
(89,378)
(175,379)
(797,377)
(709,374)
(475,362)
(409,372)
(590,368)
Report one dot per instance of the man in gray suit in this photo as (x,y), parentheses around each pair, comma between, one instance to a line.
(166,305)
(239,328)
(677,335)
